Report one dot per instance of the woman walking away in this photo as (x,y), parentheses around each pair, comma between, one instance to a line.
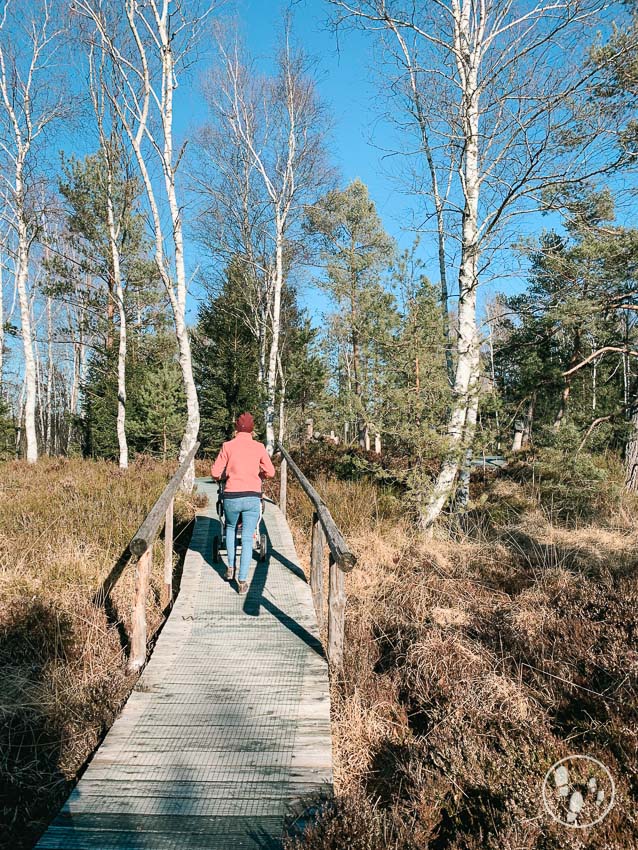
(244,462)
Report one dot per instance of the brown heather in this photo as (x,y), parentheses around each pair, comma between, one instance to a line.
(64,527)
(474,662)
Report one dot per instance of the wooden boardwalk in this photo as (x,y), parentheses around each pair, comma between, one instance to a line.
(228,729)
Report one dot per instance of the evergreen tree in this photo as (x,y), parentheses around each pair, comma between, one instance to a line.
(564,354)
(356,251)
(225,363)
(157,423)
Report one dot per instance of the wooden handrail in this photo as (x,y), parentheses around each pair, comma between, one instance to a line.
(150,528)
(142,547)
(324,530)
(339,550)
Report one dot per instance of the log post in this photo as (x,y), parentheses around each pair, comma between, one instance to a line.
(336,615)
(168,554)
(283,485)
(316,567)
(138,636)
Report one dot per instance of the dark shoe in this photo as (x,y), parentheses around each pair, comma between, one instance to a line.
(242,586)
(230,574)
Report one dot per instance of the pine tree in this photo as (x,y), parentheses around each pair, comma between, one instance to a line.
(158,422)
(356,252)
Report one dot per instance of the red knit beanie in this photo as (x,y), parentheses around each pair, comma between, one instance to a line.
(245,422)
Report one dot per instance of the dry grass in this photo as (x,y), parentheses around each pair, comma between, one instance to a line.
(64,525)
(473,663)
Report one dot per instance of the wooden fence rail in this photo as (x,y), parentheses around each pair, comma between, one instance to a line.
(342,560)
(141,546)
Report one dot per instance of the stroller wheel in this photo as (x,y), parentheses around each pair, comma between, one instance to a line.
(216,542)
(263,547)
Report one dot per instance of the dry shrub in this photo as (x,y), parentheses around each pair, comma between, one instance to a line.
(64,526)
(473,662)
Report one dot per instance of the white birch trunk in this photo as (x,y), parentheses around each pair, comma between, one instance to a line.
(271,377)
(49,424)
(22,271)
(119,294)
(185,359)
(461,428)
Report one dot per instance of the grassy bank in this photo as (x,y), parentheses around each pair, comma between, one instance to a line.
(64,528)
(476,660)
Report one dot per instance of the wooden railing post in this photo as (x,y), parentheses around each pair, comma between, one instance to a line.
(342,560)
(168,554)
(336,615)
(138,637)
(283,485)
(316,567)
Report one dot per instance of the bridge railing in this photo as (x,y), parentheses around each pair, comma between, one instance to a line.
(141,547)
(341,559)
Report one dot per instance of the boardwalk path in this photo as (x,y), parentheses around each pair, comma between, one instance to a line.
(228,725)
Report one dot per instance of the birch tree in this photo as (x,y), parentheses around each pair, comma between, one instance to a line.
(279,126)
(115,220)
(233,223)
(499,79)
(148,46)
(29,103)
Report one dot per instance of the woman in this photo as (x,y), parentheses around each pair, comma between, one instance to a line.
(243,461)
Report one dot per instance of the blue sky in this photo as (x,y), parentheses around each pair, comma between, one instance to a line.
(347,86)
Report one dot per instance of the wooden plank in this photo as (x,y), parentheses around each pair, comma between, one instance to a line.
(318,541)
(138,637)
(336,615)
(283,486)
(168,554)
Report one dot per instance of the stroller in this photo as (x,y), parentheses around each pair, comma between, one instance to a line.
(260,541)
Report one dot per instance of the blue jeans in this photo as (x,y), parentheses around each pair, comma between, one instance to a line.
(249,508)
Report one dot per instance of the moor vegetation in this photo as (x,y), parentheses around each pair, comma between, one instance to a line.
(64,530)
(475,660)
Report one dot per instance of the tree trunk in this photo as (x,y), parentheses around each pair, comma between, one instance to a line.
(22,272)
(460,431)
(116,286)
(631,456)
(271,382)
(49,425)
(185,359)
(567,388)
(463,492)
(282,402)
(529,421)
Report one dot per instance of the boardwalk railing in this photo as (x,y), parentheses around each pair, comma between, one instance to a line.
(141,546)
(342,560)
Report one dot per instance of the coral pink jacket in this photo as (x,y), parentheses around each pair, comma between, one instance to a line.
(244,461)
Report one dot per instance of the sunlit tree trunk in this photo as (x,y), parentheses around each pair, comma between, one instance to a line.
(460,432)
(22,272)
(631,456)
